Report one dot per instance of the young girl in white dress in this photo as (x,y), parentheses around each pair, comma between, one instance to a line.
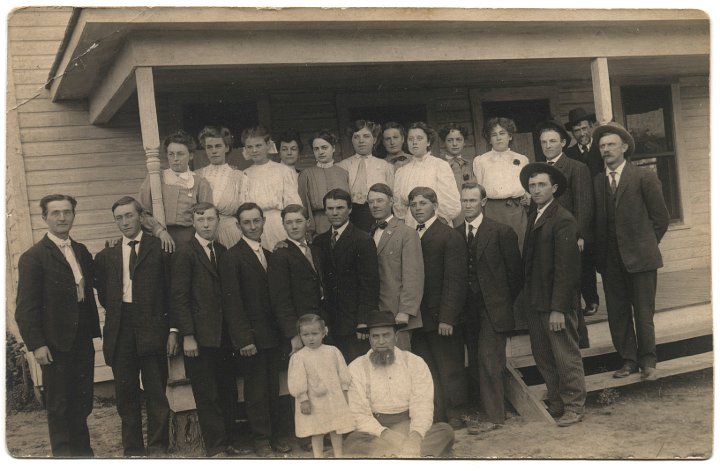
(318,379)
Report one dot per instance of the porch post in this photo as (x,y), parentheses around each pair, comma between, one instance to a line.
(601,90)
(150,137)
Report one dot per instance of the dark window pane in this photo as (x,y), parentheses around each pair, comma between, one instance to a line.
(648,116)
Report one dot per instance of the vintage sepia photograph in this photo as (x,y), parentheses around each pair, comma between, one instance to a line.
(454,233)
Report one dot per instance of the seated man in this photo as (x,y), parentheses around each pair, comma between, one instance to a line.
(391,397)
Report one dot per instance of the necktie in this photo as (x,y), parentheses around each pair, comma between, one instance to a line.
(420,227)
(133,257)
(261,257)
(470,235)
(333,239)
(585,149)
(66,247)
(307,253)
(213,260)
(613,182)
(551,163)
(359,187)
(378,225)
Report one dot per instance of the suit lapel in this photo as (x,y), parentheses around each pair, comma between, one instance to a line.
(56,252)
(202,255)
(117,259)
(249,254)
(628,174)
(344,238)
(145,249)
(482,236)
(297,253)
(549,211)
(387,234)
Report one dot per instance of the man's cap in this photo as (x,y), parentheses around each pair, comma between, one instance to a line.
(380,319)
(616,128)
(576,115)
(555,125)
(542,167)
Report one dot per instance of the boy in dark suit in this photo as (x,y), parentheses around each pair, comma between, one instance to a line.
(132,280)
(58,319)
(552,277)
(350,270)
(439,340)
(196,301)
(246,303)
(630,221)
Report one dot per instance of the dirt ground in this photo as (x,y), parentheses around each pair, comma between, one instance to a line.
(671,418)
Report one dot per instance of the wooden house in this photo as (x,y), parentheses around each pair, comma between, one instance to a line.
(92,91)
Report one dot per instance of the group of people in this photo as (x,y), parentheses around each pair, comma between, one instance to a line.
(374,275)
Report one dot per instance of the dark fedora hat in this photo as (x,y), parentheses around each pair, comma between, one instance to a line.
(541,167)
(556,126)
(576,115)
(380,319)
(615,128)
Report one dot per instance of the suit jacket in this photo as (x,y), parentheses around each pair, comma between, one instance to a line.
(499,271)
(552,260)
(150,287)
(196,294)
(445,264)
(246,297)
(296,284)
(641,219)
(401,272)
(351,274)
(592,159)
(47,311)
(578,197)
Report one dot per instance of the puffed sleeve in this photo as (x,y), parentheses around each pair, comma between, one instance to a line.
(342,369)
(447,192)
(297,378)
(479,170)
(290,188)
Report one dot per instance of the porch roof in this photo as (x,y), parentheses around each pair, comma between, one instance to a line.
(259,49)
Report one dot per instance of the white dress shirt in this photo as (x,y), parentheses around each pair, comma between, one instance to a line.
(540,211)
(127,282)
(65,246)
(406,385)
(378,234)
(340,229)
(475,223)
(257,248)
(204,244)
(618,172)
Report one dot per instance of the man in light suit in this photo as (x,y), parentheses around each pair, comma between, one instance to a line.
(58,319)
(630,221)
(295,276)
(552,278)
(246,300)
(577,197)
(440,341)
(350,271)
(132,280)
(196,301)
(495,279)
(400,263)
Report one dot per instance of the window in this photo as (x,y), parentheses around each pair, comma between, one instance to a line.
(648,117)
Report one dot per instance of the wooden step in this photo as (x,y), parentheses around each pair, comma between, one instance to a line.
(670,326)
(600,381)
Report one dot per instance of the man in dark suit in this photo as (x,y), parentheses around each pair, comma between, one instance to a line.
(246,301)
(495,279)
(132,280)
(577,197)
(439,340)
(58,319)
(350,270)
(196,301)
(630,221)
(552,274)
(587,151)
(295,276)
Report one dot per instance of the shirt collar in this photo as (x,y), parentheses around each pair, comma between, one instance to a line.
(475,222)
(296,242)
(542,210)
(256,246)
(203,241)
(57,240)
(618,171)
(342,228)
(138,237)
(325,165)
(554,161)
(429,222)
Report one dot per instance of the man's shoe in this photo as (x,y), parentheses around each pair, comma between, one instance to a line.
(234,451)
(456,423)
(280,446)
(569,418)
(626,370)
(263,449)
(556,414)
(591,309)
(649,373)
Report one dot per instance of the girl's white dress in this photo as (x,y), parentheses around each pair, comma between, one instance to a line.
(320,375)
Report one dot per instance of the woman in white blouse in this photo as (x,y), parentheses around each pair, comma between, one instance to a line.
(499,172)
(270,185)
(227,182)
(426,170)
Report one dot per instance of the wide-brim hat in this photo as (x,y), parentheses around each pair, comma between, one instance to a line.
(380,319)
(615,128)
(542,167)
(553,124)
(576,115)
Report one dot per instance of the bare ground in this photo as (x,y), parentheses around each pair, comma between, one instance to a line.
(671,418)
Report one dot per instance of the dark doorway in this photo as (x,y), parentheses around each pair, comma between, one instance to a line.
(236,116)
(403,114)
(527,114)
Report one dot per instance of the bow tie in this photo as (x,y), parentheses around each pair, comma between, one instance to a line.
(64,243)
(378,225)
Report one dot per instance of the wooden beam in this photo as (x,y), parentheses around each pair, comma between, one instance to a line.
(115,89)
(522,399)
(601,90)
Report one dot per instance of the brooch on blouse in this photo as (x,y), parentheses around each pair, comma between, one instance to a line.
(516,162)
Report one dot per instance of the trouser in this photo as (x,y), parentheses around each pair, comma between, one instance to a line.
(404,340)
(630,301)
(445,356)
(127,369)
(588,278)
(583,337)
(68,384)
(438,441)
(557,356)
(212,377)
(350,346)
(261,388)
